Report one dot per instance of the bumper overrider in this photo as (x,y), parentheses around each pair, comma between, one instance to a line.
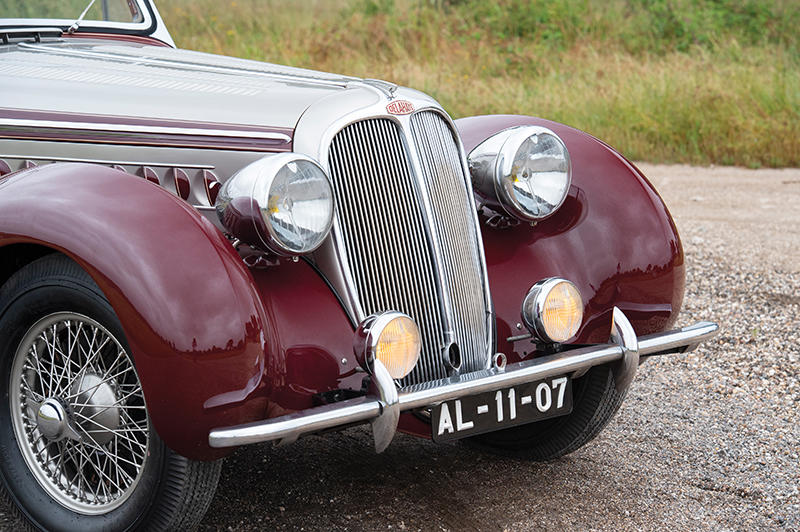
(382,407)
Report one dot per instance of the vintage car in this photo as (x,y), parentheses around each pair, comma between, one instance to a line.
(199,252)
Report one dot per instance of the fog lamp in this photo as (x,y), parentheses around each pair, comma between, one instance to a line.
(553,310)
(391,337)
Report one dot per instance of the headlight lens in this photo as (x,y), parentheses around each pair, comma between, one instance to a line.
(525,170)
(300,206)
(391,337)
(290,204)
(553,310)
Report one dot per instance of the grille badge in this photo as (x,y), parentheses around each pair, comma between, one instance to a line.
(400,107)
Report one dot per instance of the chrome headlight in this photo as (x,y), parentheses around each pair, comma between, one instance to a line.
(525,170)
(280,203)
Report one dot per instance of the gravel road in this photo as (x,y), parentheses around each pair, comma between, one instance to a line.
(708,440)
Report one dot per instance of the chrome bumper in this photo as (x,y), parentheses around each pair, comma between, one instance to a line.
(382,408)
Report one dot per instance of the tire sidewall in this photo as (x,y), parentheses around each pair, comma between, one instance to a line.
(595,402)
(20,308)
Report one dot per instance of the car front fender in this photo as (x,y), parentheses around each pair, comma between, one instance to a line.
(613,237)
(196,327)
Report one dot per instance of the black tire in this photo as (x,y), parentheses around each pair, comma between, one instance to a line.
(595,401)
(170,491)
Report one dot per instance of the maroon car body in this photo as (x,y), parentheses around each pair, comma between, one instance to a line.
(262,363)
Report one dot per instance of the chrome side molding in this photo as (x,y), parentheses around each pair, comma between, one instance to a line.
(383,406)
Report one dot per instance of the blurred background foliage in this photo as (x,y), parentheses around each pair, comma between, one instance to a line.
(693,81)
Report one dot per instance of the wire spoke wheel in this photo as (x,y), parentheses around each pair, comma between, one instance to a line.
(78,413)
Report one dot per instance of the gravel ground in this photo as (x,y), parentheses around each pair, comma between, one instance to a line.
(708,440)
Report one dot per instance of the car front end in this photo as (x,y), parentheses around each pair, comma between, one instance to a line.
(275,252)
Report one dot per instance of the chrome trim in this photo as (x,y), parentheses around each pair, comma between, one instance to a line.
(385,233)
(223,161)
(53,422)
(11,32)
(253,183)
(332,258)
(369,333)
(490,319)
(384,426)
(439,172)
(533,308)
(681,340)
(491,325)
(149,130)
(424,194)
(314,134)
(452,366)
(290,426)
(490,163)
(430,393)
(623,334)
(386,87)
(111,161)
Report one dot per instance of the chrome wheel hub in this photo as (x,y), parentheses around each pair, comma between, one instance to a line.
(78,413)
(51,419)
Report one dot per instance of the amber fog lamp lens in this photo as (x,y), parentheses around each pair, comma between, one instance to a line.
(553,310)
(391,337)
(399,346)
(563,312)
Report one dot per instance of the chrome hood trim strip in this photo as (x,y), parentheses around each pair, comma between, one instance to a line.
(6,123)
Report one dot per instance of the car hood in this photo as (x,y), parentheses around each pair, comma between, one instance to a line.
(121,79)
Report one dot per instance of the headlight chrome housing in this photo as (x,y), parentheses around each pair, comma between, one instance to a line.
(524,170)
(553,310)
(280,203)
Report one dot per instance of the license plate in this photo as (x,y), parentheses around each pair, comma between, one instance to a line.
(490,411)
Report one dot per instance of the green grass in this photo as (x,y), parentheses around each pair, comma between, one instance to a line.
(701,82)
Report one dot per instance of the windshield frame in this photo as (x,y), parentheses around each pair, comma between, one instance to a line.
(147,26)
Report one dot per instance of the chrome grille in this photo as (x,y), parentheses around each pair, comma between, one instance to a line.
(455,223)
(386,235)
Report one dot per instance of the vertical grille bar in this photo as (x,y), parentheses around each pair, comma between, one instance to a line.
(385,231)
